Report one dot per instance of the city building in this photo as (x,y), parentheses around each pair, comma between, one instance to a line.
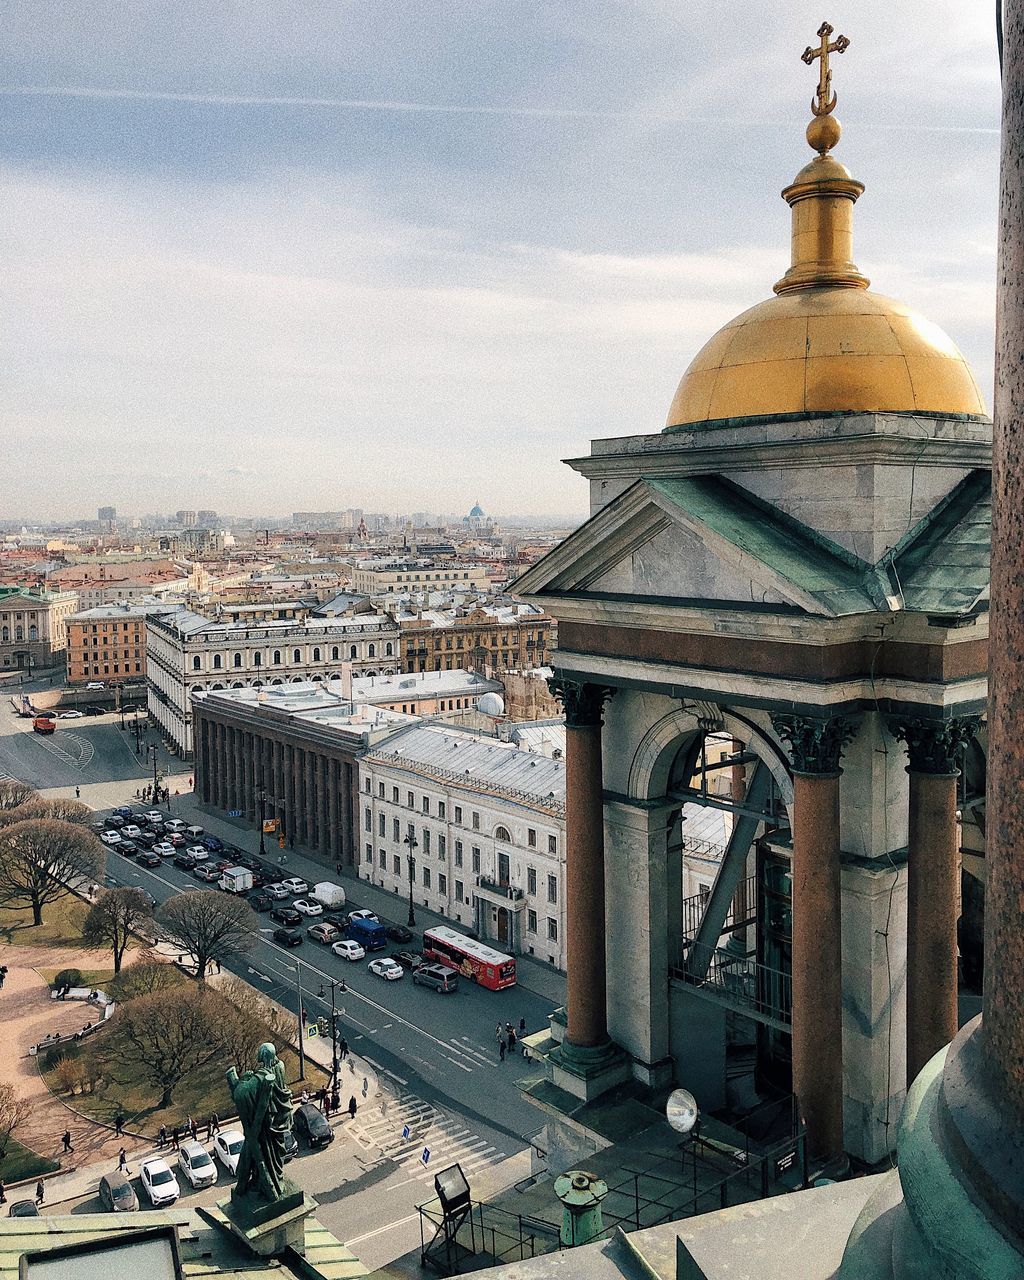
(187,519)
(187,652)
(384,576)
(474,828)
(119,580)
(108,643)
(497,636)
(33,627)
(106,515)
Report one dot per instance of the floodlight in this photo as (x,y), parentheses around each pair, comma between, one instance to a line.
(452,1188)
(681,1110)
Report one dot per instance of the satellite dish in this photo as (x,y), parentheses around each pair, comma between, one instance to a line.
(681,1110)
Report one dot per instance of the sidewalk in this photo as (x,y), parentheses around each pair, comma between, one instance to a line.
(532,974)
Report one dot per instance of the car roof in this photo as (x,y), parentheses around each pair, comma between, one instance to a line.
(156,1162)
(193,1148)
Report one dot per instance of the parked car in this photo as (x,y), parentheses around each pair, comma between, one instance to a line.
(335,916)
(23,1209)
(147,838)
(197,853)
(117,1195)
(295,885)
(325,933)
(407,959)
(291,1147)
(128,847)
(310,1123)
(95,684)
(114,822)
(195,1163)
(286,915)
(212,843)
(175,824)
(385,967)
(194,832)
(164,848)
(438,976)
(110,837)
(348,950)
(175,838)
(183,860)
(147,858)
(288,937)
(227,1147)
(399,933)
(361,914)
(260,902)
(158,1182)
(276,891)
(206,872)
(95,711)
(155,815)
(308,906)
(72,715)
(131,830)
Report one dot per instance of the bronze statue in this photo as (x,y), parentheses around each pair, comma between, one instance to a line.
(264,1109)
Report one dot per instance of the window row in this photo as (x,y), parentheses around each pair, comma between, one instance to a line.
(500,833)
(277,657)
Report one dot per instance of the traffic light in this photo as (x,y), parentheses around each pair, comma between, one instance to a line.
(322,1024)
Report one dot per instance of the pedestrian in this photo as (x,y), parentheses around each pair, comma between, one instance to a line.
(162,1137)
(78,793)
(40,1193)
(190,783)
(3,979)
(352,1107)
(122,1161)
(209,1128)
(215,1121)
(119,1124)
(501,1049)
(498,1032)
(66,1139)
(522,1027)
(511,1038)
(305,1016)
(366,1086)
(174,1137)
(193,1129)
(343,1048)
(305,1096)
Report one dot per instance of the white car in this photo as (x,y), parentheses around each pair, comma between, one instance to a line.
(308,907)
(197,853)
(276,891)
(153,815)
(176,825)
(110,837)
(164,848)
(159,1182)
(195,1163)
(72,715)
(131,831)
(385,967)
(227,1147)
(95,684)
(295,885)
(348,949)
(363,914)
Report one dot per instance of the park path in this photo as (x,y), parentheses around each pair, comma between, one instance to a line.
(27,1015)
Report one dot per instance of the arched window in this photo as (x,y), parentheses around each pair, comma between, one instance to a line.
(6,634)
(277,680)
(372,650)
(388,651)
(238,684)
(237,660)
(296,679)
(216,686)
(257,659)
(351,651)
(501,833)
(316,655)
(335,653)
(197,663)
(19,633)
(217,662)
(33,632)
(277,657)
(296,655)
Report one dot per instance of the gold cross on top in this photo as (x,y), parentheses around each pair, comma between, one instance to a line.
(825,101)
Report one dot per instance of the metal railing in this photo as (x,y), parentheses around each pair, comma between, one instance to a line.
(739,982)
(503,888)
(742,910)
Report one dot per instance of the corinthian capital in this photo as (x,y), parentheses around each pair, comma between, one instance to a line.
(815,742)
(934,746)
(583,702)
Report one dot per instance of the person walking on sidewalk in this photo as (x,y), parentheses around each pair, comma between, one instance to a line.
(501,1049)
(193,1129)
(119,1124)
(66,1139)
(78,793)
(174,1137)
(352,1107)
(343,1048)
(40,1192)
(122,1161)
(161,1139)
(215,1122)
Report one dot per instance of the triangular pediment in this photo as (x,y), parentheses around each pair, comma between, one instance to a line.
(703,540)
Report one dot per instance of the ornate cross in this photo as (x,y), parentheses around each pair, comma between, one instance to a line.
(825,102)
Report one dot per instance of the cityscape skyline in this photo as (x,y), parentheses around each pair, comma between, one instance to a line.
(387,254)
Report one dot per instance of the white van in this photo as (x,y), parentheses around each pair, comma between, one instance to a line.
(194,833)
(175,826)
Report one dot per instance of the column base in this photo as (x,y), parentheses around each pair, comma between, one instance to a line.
(268,1229)
(587,1071)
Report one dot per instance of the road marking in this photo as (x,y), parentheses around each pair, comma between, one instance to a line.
(369,1235)
(398,1079)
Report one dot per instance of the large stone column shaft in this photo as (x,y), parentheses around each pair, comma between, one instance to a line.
(585,925)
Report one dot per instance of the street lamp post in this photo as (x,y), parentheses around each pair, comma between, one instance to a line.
(335,1064)
(261,795)
(152,748)
(413,844)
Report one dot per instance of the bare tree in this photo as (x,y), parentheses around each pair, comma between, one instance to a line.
(209,926)
(13,793)
(250,1020)
(167,1035)
(111,922)
(62,808)
(146,975)
(40,861)
(14,1111)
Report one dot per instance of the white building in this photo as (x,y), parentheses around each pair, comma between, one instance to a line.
(385,576)
(188,653)
(483,824)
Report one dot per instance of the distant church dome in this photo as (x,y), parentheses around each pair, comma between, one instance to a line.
(825,344)
(491,704)
(476,513)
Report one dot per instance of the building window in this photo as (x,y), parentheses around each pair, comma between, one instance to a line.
(388,650)
(257,659)
(426,840)
(276,659)
(552,844)
(380,789)
(396,830)
(426,877)
(426,804)
(382,824)
(410,800)
(441,810)
(442,847)
(501,833)
(372,650)
(217,662)
(460,890)
(411,864)
(531,880)
(476,822)
(369,853)
(552,929)
(366,785)
(316,654)
(197,663)
(237,660)
(458,814)
(394,795)
(552,888)
(335,653)
(351,651)
(382,854)
(476,861)
(531,837)
(368,821)
(296,655)
(458,853)
(398,865)
(531,921)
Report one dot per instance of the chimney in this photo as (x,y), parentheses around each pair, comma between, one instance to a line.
(346,681)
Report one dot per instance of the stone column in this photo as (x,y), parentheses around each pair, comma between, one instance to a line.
(586,990)
(933,881)
(816,746)
(220,767)
(309,799)
(296,794)
(333,783)
(324,807)
(229,767)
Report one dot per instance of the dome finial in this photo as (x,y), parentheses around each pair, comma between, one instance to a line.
(823,132)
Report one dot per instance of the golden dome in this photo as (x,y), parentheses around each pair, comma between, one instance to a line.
(825,344)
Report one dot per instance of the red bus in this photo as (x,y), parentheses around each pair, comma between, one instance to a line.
(472,959)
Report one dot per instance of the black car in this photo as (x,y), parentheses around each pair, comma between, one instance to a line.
(23,1209)
(311,1123)
(288,937)
(115,822)
(148,858)
(286,915)
(335,916)
(147,839)
(184,860)
(95,711)
(127,847)
(260,902)
(399,933)
(408,959)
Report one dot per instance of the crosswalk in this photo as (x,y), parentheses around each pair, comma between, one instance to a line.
(421,1139)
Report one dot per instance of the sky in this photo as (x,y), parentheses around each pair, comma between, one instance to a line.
(408,255)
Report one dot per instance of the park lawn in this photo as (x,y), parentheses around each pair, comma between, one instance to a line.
(90,977)
(121,1087)
(62,924)
(20,1162)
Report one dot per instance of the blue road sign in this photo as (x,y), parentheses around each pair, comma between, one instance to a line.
(234,813)
(426,1155)
(406,1131)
